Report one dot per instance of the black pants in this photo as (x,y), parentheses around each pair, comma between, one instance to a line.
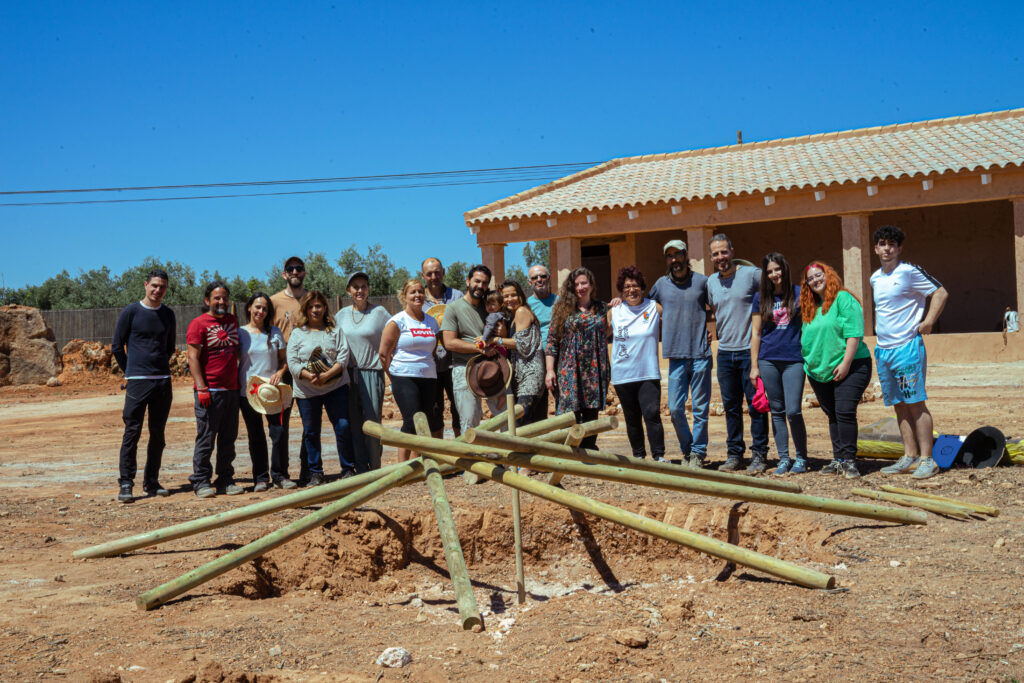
(216,425)
(416,395)
(444,385)
(586,415)
(538,409)
(154,394)
(641,404)
(839,401)
(277,425)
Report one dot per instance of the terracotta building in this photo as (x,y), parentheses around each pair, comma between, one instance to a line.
(955,185)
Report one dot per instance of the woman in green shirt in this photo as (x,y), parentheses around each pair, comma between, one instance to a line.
(836,361)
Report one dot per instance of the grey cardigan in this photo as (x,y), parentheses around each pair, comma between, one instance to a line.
(301,344)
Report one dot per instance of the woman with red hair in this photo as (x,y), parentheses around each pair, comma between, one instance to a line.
(836,361)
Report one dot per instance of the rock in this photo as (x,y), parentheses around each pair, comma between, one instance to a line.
(999,543)
(394,658)
(630,637)
(894,563)
(28,350)
(53,382)
(275,651)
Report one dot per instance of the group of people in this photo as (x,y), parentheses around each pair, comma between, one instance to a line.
(771,334)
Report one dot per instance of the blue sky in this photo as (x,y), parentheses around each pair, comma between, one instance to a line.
(141,93)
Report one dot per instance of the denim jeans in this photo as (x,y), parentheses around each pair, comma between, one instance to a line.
(690,376)
(784,386)
(734,383)
(311,410)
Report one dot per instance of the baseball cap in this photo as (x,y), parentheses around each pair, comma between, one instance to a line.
(674,244)
(294,259)
(354,275)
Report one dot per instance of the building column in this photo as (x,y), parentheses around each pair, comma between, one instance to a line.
(493,256)
(857,263)
(1018,248)
(697,249)
(565,257)
(622,253)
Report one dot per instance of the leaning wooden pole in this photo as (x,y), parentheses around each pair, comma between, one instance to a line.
(977,507)
(710,546)
(598,426)
(911,501)
(469,613)
(573,440)
(513,444)
(517,519)
(402,474)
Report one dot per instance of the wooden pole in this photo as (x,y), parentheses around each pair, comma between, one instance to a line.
(573,439)
(402,474)
(519,445)
(464,598)
(552,423)
(599,426)
(711,546)
(913,502)
(983,509)
(517,520)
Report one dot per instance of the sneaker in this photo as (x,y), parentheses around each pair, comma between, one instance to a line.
(232,490)
(125,494)
(260,487)
(848,469)
(758,464)
(732,463)
(927,468)
(348,473)
(833,467)
(799,466)
(659,458)
(285,483)
(694,461)
(157,490)
(315,480)
(783,467)
(904,464)
(205,491)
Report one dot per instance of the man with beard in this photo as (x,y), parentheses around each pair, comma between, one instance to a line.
(143,343)
(439,293)
(541,303)
(213,349)
(731,290)
(463,324)
(683,296)
(286,307)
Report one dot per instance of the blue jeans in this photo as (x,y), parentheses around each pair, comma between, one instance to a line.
(693,376)
(784,385)
(734,383)
(311,410)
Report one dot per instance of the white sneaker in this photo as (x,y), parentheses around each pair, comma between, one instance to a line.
(904,464)
(927,468)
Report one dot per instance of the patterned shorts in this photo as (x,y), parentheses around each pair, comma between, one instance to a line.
(901,372)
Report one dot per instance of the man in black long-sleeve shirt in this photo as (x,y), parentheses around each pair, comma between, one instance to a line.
(143,343)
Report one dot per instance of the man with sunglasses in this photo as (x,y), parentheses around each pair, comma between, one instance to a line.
(286,307)
(541,302)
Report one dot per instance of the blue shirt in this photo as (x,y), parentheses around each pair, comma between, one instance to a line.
(542,309)
(780,333)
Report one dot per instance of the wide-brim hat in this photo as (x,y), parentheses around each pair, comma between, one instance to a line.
(488,376)
(437,312)
(267,398)
(984,447)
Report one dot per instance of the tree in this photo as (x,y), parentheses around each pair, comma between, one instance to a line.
(517,273)
(537,253)
(322,276)
(455,275)
(385,278)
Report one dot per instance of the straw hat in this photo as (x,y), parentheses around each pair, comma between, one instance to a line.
(267,398)
(437,312)
(488,376)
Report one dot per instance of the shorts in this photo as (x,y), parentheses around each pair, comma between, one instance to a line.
(901,372)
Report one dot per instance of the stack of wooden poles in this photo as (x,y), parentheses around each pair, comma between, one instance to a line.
(551,445)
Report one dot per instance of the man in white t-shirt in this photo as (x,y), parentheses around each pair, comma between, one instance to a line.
(902,292)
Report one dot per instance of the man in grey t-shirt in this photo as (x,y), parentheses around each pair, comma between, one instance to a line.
(463,324)
(684,342)
(731,290)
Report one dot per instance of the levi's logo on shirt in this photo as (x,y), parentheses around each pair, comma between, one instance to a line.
(421,332)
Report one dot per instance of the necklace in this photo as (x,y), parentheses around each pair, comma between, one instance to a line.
(362,316)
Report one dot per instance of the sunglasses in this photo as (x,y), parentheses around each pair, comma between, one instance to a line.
(295,269)
(538,277)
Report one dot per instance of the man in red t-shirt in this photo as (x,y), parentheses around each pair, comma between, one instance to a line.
(213,360)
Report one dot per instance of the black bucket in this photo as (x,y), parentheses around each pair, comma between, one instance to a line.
(984,447)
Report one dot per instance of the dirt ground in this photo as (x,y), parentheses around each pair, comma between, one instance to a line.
(943,601)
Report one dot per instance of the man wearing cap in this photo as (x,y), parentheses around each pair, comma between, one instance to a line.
(463,324)
(683,296)
(286,307)
(541,302)
(903,292)
(440,294)
(731,290)
(143,343)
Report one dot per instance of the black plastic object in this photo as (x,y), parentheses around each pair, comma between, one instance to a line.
(984,447)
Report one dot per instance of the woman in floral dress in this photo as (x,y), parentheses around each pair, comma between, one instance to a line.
(577,350)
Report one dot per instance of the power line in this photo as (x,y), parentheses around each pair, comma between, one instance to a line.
(343,179)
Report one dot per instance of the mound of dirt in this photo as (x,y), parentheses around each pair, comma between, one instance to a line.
(362,551)
(92,363)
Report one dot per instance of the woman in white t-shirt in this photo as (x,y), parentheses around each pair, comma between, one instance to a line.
(636,376)
(407,354)
(262,351)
